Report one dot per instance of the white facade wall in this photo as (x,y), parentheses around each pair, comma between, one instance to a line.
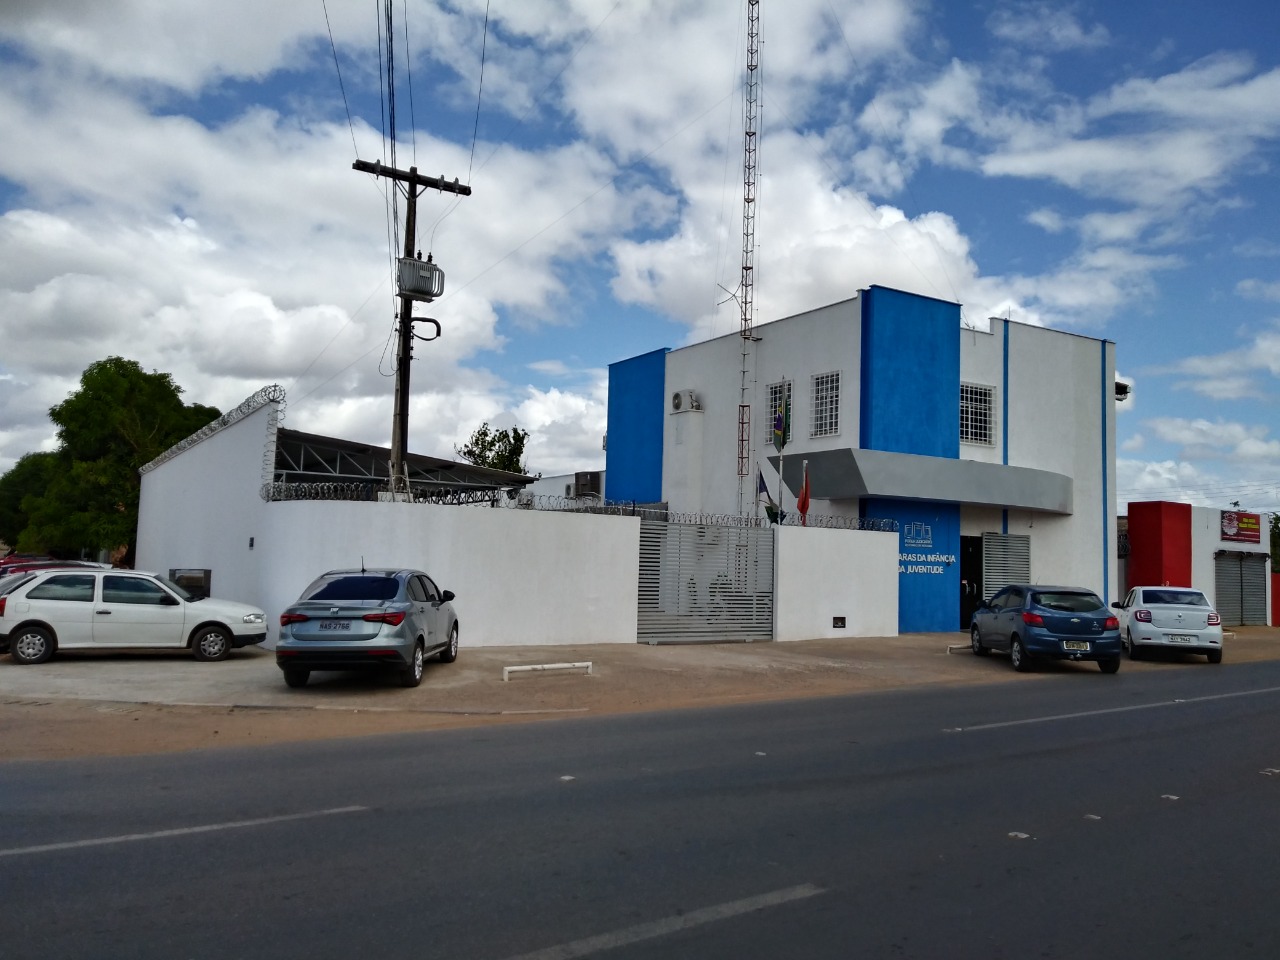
(522,576)
(1058,398)
(1206,540)
(199,509)
(700,449)
(821,574)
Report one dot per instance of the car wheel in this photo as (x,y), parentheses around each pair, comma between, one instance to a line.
(31,645)
(211,643)
(1109,666)
(296,677)
(1018,656)
(1215,656)
(975,642)
(1130,647)
(450,653)
(411,675)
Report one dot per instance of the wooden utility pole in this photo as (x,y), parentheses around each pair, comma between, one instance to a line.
(404,353)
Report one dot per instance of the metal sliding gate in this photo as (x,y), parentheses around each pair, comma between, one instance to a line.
(701,583)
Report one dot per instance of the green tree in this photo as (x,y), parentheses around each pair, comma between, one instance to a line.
(1275,540)
(120,419)
(29,477)
(499,449)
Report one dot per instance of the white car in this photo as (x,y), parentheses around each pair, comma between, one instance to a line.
(1173,618)
(73,609)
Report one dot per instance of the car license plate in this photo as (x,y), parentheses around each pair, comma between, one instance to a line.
(344,625)
(1075,644)
(1181,638)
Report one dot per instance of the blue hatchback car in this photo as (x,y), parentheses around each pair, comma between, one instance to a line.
(1054,623)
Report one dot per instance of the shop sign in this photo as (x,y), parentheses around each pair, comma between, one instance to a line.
(1241,527)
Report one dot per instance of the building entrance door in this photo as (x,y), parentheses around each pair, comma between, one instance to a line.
(970,578)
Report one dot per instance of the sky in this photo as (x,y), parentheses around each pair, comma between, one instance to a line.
(176,187)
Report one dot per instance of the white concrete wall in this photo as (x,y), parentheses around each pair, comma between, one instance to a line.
(821,341)
(1059,396)
(521,576)
(1206,540)
(199,509)
(821,574)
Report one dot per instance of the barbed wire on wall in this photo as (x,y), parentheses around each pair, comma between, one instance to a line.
(510,499)
(269,394)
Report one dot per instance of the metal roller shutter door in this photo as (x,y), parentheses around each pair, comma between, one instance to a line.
(1240,585)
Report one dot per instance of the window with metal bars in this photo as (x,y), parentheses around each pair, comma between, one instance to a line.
(977,414)
(778,394)
(826,405)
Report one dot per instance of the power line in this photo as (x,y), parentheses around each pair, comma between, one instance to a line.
(334,47)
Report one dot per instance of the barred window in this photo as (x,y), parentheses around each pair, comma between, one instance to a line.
(826,405)
(778,394)
(977,419)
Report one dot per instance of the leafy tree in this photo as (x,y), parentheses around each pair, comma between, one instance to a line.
(120,419)
(499,449)
(1275,540)
(29,477)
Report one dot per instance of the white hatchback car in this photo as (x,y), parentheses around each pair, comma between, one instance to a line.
(1173,618)
(66,609)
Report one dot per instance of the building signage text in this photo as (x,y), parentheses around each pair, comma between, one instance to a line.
(1241,527)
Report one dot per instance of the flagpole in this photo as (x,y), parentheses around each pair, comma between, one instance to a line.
(781,485)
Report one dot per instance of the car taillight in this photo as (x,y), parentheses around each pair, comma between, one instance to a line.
(1142,616)
(394,619)
(288,618)
(1214,619)
(1032,619)
(3,599)
(1112,623)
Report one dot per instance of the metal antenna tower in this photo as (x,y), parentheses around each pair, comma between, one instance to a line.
(751,104)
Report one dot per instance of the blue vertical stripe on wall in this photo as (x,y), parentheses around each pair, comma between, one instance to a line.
(1106,512)
(637,406)
(1004,420)
(910,377)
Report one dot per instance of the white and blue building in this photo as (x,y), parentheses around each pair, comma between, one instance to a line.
(994,450)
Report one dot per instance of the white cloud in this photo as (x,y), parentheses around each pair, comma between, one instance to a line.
(1047,27)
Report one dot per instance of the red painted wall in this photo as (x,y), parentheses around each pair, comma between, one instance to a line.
(1159,544)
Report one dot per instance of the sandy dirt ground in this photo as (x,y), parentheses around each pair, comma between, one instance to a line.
(81,707)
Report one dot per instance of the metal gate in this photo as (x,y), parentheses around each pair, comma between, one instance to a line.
(1240,587)
(701,583)
(1006,559)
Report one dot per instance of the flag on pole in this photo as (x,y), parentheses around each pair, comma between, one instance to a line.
(802,499)
(781,423)
(770,508)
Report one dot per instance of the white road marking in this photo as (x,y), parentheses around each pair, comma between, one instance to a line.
(1016,835)
(1102,713)
(660,928)
(179,832)
(1169,796)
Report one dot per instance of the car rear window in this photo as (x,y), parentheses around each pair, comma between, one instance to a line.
(1068,602)
(1189,598)
(356,588)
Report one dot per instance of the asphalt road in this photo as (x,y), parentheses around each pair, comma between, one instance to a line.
(1075,816)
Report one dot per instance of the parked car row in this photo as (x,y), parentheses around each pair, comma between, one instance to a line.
(385,619)
(1032,622)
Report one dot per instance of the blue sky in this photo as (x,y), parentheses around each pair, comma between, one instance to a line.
(176,188)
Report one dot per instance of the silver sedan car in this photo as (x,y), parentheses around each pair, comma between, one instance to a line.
(367,619)
(1172,618)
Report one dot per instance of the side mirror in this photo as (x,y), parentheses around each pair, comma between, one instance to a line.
(1117,604)
(447,596)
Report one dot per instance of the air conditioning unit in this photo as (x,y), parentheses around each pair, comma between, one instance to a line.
(420,279)
(683,400)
